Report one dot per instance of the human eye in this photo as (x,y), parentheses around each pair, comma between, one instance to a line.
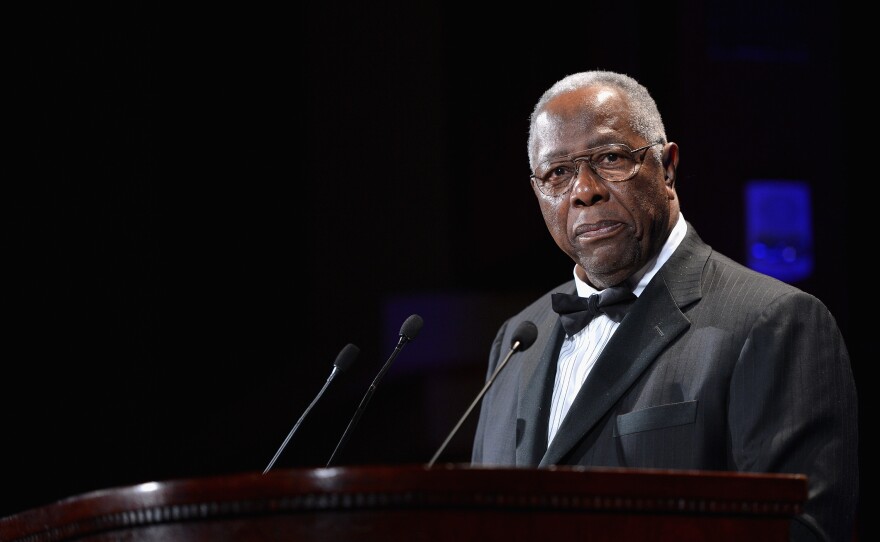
(558,173)
(612,157)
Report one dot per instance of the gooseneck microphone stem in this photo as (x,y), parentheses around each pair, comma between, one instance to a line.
(470,408)
(367,396)
(408,331)
(344,360)
(523,338)
(301,418)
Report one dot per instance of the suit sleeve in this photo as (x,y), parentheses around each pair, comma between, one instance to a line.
(793,409)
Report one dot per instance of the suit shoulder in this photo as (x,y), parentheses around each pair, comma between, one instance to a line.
(720,264)
(722,272)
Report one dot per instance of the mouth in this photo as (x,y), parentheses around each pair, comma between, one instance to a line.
(597,229)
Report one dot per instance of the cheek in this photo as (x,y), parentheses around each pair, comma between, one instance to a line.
(556,220)
(648,201)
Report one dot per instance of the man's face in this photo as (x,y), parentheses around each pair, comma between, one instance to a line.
(610,229)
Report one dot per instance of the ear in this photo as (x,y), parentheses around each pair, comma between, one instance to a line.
(670,163)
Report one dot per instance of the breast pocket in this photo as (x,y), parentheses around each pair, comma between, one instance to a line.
(657,417)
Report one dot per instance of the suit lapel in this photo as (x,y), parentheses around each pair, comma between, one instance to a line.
(653,322)
(536,387)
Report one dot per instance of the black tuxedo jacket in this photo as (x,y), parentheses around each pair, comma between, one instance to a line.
(715,367)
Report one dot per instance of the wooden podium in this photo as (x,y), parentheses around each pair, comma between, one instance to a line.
(417,503)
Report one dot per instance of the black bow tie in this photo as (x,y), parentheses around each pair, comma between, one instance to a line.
(576,311)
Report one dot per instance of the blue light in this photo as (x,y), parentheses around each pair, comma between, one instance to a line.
(779,228)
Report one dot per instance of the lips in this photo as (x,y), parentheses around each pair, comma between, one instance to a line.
(597,228)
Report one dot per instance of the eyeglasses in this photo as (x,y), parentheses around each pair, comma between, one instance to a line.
(615,163)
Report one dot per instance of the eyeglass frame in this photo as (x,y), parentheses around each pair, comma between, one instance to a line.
(590,152)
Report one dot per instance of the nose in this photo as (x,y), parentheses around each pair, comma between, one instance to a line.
(587,187)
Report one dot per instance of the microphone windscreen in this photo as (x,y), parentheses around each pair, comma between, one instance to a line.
(346,357)
(411,327)
(526,334)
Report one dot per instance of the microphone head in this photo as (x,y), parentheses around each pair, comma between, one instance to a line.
(346,357)
(526,334)
(411,327)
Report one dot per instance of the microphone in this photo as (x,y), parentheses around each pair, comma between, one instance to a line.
(343,361)
(408,331)
(524,337)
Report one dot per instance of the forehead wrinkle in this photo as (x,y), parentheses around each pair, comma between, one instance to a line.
(579,119)
(566,128)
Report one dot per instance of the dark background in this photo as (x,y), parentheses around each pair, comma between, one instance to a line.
(203,207)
